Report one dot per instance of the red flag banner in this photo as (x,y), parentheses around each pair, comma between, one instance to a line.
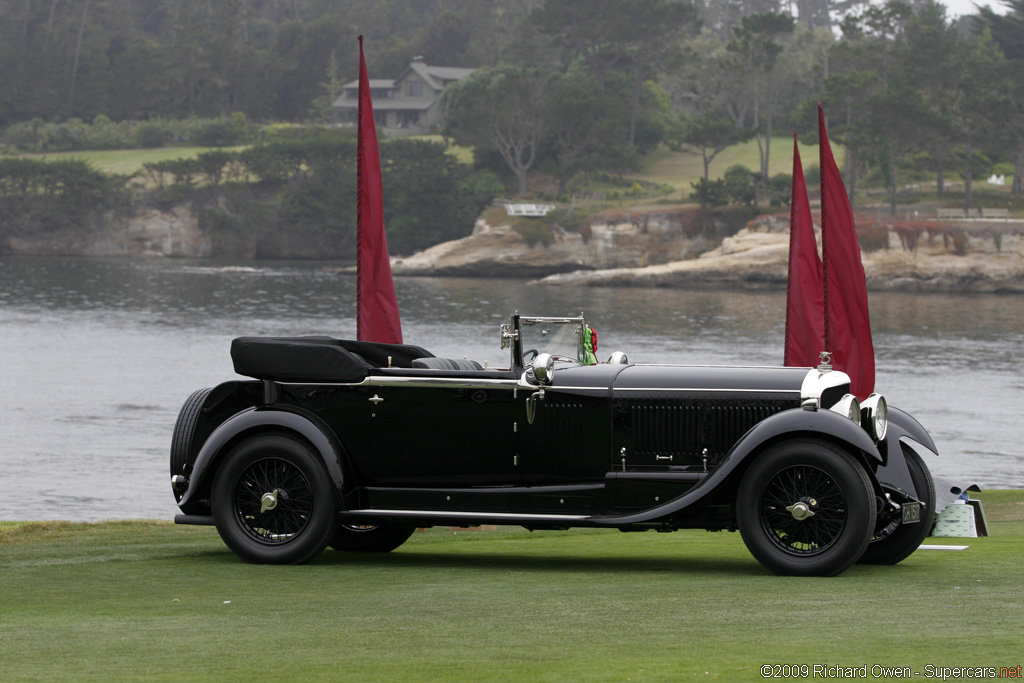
(376,304)
(805,317)
(847,325)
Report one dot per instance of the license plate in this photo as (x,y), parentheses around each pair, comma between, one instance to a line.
(911,513)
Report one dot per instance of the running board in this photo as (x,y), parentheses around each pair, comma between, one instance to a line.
(448,515)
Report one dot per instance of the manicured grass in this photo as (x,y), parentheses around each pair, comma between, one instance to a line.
(679,169)
(149,600)
(128,161)
(463,154)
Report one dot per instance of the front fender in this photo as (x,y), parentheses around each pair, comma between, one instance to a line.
(793,423)
(903,431)
(799,422)
(257,419)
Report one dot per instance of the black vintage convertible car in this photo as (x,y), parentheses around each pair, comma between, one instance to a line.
(356,444)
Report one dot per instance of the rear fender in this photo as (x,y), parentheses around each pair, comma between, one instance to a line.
(261,419)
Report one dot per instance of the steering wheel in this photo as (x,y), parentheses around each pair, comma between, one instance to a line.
(527,357)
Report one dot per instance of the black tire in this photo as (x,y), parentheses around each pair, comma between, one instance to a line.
(897,541)
(370,539)
(273,502)
(184,430)
(779,491)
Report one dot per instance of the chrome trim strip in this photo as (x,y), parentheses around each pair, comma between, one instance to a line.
(548,387)
(406,381)
(540,320)
(444,382)
(362,383)
(461,515)
(723,390)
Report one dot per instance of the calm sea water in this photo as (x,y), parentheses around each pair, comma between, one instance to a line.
(97,356)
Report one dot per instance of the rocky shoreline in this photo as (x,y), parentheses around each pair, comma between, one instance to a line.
(756,257)
(657,247)
(755,260)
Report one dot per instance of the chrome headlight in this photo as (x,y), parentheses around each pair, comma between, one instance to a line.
(849,406)
(544,368)
(875,416)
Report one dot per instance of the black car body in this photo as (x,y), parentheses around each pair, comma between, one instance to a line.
(355,444)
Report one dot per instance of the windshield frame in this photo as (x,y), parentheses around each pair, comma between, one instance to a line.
(562,337)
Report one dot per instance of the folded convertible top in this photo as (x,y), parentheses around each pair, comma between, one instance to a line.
(317,359)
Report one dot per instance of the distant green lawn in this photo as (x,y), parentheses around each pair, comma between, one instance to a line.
(128,161)
(153,601)
(680,169)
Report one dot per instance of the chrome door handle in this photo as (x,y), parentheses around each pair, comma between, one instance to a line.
(376,399)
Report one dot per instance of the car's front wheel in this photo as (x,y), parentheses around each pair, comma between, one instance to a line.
(273,502)
(806,508)
(370,539)
(896,541)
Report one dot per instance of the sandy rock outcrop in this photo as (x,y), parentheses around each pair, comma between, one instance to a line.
(756,258)
(501,250)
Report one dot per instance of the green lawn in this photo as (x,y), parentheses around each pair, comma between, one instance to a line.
(680,169)
(127,161)
(152,601)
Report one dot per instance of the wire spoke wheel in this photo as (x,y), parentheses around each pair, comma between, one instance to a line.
(806,508)
(287,489)
(825,508)
(273,501)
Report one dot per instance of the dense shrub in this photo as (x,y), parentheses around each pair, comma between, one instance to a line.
(50,195)
(428,196)
(150,135)
(739,184)
(873,237)
(218,133)
(102,133)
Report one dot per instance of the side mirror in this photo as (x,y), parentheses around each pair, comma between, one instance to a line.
(544,368)
(507,335)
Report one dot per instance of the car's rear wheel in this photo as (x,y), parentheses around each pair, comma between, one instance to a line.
(273,502)
(806,508)
(896,541)
(369,538)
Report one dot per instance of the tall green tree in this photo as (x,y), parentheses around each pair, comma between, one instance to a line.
(641,38)
(1008,32)
(927,62)
(709,134)
(663,47)
(982,106)
(501,108)
(756,45)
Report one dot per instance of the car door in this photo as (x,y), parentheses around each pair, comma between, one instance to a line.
(567,439)
(434,429)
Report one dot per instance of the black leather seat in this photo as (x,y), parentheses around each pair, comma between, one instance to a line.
(446,364)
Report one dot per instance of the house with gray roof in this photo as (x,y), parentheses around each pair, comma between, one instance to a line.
(408,104)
